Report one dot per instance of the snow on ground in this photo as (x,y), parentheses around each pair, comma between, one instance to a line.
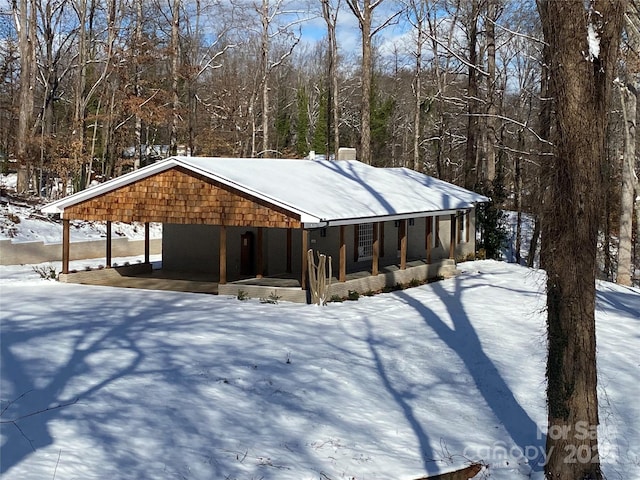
(175,385)
(21,222)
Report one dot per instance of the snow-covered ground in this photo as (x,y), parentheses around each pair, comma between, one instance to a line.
(20,222)
(165,385)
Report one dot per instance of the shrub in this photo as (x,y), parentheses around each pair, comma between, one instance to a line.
(242,295)
(335,298)
(47,272)
(353,295)
(273,298)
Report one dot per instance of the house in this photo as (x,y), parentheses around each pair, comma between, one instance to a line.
(248,223)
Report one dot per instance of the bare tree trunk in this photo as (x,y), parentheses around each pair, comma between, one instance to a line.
(581,88)
(492,109)
(363,14)
(137,87)
(470,171)
(25,20)
(518,199)
(417,16)
(77,130)
(175,63)
(330,18)
(264,59)
(629,101)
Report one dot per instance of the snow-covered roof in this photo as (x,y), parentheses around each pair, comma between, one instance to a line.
(322,192)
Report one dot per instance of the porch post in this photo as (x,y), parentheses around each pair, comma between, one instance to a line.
(223,255)
(109,250)
(452,240)
(289,248)
(303,275)
(342,275)
(65,245)
(429,237)
(403,244)
(468,225)
(147,246)
(259,256)
(376,249)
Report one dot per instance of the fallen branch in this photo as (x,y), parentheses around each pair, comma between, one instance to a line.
(464,474)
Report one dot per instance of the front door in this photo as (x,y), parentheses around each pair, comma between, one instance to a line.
(247,262)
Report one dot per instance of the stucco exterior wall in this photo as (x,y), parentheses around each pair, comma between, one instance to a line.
(39,252)
(195,248)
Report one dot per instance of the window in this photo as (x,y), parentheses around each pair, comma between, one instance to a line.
(463,227)
(365,241)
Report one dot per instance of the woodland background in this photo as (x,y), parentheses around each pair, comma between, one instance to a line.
(457,89)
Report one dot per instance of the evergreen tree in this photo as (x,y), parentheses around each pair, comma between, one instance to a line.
(490,219)
(319,142)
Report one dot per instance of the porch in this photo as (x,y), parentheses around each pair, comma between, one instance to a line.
(285,287)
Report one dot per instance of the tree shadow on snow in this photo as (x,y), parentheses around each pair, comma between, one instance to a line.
(38,399)
(463,339)
(402,400)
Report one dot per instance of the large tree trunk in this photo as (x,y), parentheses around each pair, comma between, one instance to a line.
(25,20)
(137,84)
(470,171)
(581,86)
(417,10)
(330,17)
(629,101)
(175,64)
(491,126)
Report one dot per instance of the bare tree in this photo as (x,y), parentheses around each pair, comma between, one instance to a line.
(629,101)
(175,76)
(363,10)
(471,152)
(278,20)
(330,15)
(25,21)
(490,134)
(417,12)
(583,45)
(628,97)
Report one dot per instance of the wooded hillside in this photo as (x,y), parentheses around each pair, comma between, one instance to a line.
(457,89)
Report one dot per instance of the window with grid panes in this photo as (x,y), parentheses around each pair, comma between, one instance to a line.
(365,241)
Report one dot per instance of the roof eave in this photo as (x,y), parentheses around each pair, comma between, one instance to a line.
(322,223)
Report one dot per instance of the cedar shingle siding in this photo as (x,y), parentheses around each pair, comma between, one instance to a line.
(178,196)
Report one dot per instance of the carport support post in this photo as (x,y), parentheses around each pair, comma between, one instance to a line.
(147,250)
(342,275)
(223,255)
(305,241)
(289,247)
(452,241)
(403,244)
(109,249)
(376,249)
(429,237)
(65,246)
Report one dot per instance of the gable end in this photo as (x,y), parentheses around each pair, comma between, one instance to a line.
(180,196)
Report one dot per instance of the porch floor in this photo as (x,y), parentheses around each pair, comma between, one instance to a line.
(159,279)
